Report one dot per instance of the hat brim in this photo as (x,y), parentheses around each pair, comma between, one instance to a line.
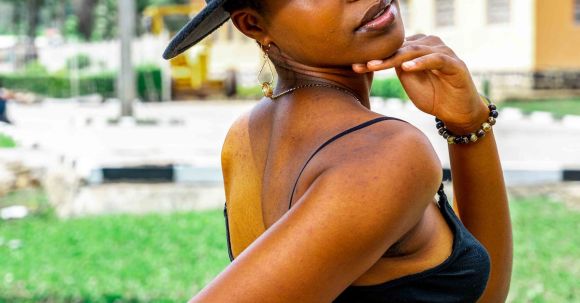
(204,23)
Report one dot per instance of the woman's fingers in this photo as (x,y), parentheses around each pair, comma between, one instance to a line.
(363,67)
(402,55)
(413,47)
(415,37)
(436,61)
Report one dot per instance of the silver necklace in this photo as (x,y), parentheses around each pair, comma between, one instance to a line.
(276,96)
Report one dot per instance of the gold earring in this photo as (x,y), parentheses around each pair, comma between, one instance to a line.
(267,85)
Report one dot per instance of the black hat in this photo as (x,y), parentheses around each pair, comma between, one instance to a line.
(212,16)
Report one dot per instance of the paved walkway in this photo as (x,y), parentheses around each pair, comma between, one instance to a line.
(192,133)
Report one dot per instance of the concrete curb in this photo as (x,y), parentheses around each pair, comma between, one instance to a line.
(518,177)
(185,174)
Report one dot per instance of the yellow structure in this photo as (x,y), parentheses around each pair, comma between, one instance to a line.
(189,70)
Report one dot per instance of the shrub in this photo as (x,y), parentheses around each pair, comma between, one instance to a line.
(34,68)
(59,86)
(148,83)
(388,88)
(250,92)
(83,61)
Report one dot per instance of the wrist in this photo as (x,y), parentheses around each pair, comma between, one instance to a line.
(480,115)
(471,131)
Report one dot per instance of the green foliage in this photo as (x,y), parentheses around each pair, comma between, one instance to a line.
(250,92)
(149,80)
(35,68)
(79,61)
(106,16)
(62,13)
(71,25)
(6,141)
(61,85)
(388,88)
(106,20)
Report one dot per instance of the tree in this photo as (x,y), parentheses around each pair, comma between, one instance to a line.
(84,10)
(92,19)
(30,10)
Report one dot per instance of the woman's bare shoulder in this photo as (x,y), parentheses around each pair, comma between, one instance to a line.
(394,142)
(237,128)
(237,133)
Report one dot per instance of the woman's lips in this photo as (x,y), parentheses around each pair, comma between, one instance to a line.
(381,21)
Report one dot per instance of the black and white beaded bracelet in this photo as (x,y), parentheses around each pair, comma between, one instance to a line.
(472,137)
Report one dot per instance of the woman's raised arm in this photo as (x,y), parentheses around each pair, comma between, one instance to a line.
(440,84)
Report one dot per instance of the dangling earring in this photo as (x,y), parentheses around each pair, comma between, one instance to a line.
(267,85)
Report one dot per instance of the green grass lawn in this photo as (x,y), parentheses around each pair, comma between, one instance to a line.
(168,258)
(6,141)
(557,107)
(153,258)
(546,252)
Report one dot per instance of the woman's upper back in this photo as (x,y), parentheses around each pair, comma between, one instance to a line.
(266,148)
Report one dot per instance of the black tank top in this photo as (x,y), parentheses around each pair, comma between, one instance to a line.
(462,277)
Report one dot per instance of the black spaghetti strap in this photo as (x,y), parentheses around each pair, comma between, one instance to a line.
(350,130)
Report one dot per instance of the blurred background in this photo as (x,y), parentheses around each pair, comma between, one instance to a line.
(110,176)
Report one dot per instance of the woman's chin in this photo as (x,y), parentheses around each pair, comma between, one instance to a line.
(384,47)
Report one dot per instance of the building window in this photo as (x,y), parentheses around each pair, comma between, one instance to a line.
(577,11)
(405,12)
(444,13)
(498,11)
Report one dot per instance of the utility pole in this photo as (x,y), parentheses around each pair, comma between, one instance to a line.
(127,19)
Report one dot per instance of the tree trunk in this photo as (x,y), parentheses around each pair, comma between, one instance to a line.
(84,9)
(33,9)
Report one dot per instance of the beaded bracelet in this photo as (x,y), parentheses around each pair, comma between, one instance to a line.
(472,137)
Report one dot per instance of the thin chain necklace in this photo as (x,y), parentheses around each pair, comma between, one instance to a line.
(316,84)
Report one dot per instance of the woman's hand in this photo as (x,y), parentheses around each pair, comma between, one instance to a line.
(436,80)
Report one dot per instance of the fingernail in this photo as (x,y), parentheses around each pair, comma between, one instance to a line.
(359,65)
(375,62)
(409,64)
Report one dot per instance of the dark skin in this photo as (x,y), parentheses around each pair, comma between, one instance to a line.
(281,255)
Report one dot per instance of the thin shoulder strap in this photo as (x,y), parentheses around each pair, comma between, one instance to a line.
(350,130)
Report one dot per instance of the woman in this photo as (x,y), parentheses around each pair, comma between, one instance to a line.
(319,217)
